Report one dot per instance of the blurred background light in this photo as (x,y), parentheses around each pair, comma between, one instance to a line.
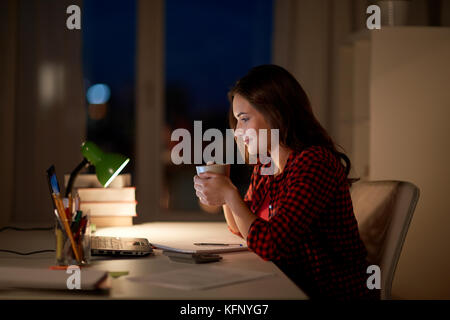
(98,94)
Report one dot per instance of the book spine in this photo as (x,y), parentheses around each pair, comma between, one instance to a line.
(109,208)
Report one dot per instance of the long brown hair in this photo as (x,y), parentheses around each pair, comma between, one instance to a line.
(278,96)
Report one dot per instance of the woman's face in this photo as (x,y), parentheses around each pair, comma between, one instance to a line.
(249,118)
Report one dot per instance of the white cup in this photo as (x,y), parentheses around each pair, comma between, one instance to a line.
(217,168)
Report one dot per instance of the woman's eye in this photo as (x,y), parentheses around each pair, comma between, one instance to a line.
(244,119)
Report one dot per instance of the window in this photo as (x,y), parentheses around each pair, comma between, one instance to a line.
(208,46)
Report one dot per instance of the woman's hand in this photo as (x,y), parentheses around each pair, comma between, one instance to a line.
(213,189)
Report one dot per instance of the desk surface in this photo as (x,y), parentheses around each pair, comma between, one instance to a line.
(276,286)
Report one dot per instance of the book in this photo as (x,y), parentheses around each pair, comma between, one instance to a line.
(112,221)
(44,278)
(110,208)
(89,180)
(107,194)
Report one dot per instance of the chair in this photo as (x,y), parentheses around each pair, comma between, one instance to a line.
(384,210)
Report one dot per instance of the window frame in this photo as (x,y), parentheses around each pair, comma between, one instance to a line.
(150,104)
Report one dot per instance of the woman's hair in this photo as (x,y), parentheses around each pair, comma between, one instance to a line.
(278,96)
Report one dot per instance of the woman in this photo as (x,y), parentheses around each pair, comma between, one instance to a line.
(301,217)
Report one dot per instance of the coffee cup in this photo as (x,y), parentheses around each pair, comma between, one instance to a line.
(216,168)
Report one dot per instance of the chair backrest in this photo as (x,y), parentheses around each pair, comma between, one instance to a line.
(384,210)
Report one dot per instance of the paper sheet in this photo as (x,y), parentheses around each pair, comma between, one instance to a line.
(200,277)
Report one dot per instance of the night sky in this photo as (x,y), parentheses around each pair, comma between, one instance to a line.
(210,44)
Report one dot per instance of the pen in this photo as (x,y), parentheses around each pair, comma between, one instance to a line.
(77,202)
(68,215)
(218,244)
(80,228)
(60,224)
(70,203)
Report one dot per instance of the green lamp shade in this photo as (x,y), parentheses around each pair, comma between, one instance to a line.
(107,165)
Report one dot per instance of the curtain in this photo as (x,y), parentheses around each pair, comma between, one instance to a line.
(43,103)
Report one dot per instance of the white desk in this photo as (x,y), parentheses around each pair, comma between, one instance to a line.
(276,286)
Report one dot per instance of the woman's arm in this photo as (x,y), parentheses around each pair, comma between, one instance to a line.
(241,214)
(230,220)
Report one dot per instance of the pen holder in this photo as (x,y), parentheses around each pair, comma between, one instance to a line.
(80,240)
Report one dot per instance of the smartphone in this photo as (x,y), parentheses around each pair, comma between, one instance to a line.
(192,257)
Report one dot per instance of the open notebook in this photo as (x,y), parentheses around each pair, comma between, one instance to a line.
(191,247)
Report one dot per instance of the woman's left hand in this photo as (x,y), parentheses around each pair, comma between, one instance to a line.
(213,189)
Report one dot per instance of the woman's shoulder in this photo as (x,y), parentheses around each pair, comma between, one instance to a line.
(316,156)
(299,161)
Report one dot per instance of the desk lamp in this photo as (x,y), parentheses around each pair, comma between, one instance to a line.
(107,165)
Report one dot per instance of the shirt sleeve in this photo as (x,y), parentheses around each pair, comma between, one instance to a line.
(309,188)
(248,198)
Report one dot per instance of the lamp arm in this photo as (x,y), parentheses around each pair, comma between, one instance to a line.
(74,174)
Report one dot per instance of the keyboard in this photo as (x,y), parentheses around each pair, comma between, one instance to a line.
(110,243)
(120,246)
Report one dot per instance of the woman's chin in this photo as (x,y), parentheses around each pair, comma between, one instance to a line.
(252,152)
(256,153)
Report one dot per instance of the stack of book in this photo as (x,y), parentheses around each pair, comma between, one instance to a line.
(108,207)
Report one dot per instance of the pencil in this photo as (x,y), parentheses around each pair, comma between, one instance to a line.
(219,244)
(62,214)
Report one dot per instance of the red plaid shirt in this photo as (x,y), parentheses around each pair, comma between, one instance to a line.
(312,234)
